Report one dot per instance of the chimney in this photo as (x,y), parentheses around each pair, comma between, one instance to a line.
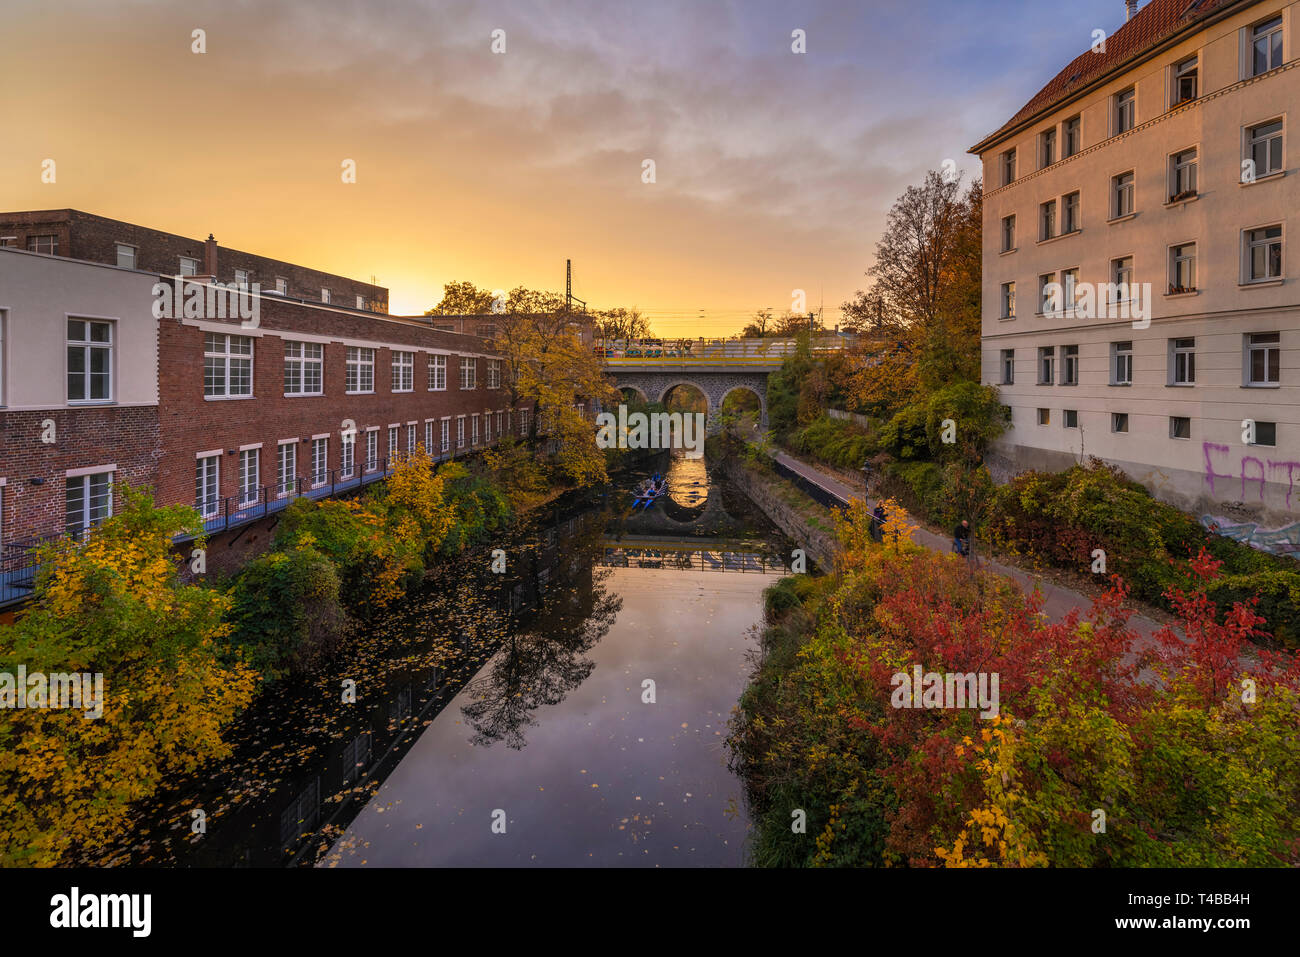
(1130,9)
(210,256)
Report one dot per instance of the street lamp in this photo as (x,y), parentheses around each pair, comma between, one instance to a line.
(866,479)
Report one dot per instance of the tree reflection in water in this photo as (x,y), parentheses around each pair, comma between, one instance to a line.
(541,665)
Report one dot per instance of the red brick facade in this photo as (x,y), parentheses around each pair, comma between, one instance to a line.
(191,423)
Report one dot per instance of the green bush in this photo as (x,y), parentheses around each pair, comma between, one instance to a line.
(836,442)
(919,486)
(286,614)
(904,436)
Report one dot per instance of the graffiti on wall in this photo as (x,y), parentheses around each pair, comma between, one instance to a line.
(1254,473)
(1279,541)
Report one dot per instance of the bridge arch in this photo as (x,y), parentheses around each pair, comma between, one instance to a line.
(637,390)
(714,385)
(759,394)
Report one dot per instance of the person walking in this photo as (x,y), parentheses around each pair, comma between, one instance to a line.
(961,539)
(878,523)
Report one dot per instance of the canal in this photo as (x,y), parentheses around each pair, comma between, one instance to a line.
(571,711)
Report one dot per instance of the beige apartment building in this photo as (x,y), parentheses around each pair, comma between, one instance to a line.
(1141,297)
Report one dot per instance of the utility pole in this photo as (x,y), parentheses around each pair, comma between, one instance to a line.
(568,285)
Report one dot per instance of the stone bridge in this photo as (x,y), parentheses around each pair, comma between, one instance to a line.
(654,386)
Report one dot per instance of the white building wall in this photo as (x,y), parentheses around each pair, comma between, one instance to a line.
(1212,473)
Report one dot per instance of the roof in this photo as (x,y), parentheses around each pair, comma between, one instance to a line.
(1150,27)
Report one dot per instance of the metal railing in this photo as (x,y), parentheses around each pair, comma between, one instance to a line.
(704,559)
(709,351)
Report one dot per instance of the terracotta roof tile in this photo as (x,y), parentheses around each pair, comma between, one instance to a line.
(1151,25)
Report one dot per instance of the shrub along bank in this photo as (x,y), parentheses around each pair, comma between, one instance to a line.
(1087,761)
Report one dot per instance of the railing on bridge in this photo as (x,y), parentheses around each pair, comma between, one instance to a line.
(689,559)
(739,352)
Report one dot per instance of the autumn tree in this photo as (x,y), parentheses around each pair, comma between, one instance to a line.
(114,605)
(463,299)
(621,323)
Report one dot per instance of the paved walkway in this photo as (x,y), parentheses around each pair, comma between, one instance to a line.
(1057,601)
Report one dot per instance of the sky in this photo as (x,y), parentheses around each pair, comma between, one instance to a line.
(773,170)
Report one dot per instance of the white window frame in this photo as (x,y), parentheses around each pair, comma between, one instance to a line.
(1248,246)
(437,373)
(473,420)
(91,516)
(1123,111)
(1007,166)
(1047,365)
(468,373)
(189,266)
(1251,36)
(219,346)
(1251,141)
(428,437)
(1182,361)
(1066,151)
(1119,192)
(89,347)
(359,370)
(325,296)
(248,492)
(1008,367)
(1071,219)
(347,454)
(445,435)
(300,358)
(494,373)
(1180,168)
(1121,361)
(372,448)
(460,432)
(1177,260)
(207,501)
(320,461)
(1273,364)
(1173,420)
(1179,71)
(1069,365)
(403,367)
(286,467)
(394,443)
(130,255)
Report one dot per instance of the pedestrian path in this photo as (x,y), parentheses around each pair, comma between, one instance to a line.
(1058,601)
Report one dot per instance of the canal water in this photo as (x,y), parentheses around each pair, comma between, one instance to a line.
(570,712)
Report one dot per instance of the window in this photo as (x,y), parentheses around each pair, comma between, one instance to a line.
(494,374)
(1048,293)
(488,330)
(1073,130)
(125,255)
(1182,175)
(1119,421)
(445,444)
(1263,355)
(249,478)
(1121,364)
(227,365)
(1008,233)
(1008,300)
(1185,85)
(428,438)
(393,444)
(1044,417)
(523,422)
(499,420)
(90,361)
(1046,365)
(1008,165)
(1263,254)
(1069,365)
(1071,419)
(320,459)
(473,429)
(1265,433)
(188,266)
(1121,279)
(468,372)
(1070,285)
(281,286)
(1070,213)
(1122,195)
(241,278)
(410,437)
(207,486)
(303,364)
(1008,366)
(403,371)
(325,296)
(372,450)
(348,457)
(1266,46)
(88,501)
(1047,220)
(1125,110)
(460,431)
(1263,149)
(43,244)
(8,242)
(1180,427)
(437,373)
(1182,361)
(1047,148)
(286,476)
(361,302)
(359,375)
(1182,268)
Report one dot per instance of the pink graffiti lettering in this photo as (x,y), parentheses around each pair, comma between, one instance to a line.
(1291,469)
(1210,474)
(1261,479)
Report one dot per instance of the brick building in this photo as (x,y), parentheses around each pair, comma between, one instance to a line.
(77,235)
(234,416)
